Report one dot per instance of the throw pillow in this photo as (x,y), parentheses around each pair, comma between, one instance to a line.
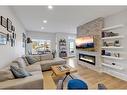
(6,74)
(14,63)
(20,62)
(19,72)
(25,60)
(31,59)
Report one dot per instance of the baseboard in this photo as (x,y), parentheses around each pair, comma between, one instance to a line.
(116,74)
(89,67)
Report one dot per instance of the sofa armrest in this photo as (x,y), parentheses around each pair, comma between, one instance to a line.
(32,82)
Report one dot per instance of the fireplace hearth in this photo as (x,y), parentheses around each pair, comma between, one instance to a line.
(87,58)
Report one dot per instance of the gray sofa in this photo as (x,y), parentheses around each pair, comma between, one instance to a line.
(47,60)
(31,82)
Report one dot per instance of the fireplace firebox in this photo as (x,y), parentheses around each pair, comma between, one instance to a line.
(87,58)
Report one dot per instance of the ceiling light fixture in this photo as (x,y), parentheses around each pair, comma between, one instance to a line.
(44,21)
(50,7)
(42,28)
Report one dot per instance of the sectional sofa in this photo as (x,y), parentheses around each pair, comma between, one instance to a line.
(34,64)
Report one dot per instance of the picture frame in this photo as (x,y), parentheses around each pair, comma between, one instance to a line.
(9,24)
(11,39)
(23,40)
(3,21)
(12,42)
(3,38)
(12,28)
(13,35)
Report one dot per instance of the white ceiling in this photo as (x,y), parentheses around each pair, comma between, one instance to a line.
(61,18)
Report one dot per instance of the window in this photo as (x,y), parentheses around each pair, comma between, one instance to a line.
(40,46)
(71,47)
(71,41)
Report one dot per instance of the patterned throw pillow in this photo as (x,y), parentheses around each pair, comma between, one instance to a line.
(19,72)
(31,59)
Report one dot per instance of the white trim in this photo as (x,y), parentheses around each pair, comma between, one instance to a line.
(111,57)
(113,27)
(112,47)
(113,37)
(113,66)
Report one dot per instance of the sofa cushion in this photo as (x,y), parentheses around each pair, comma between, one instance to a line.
(25,60)
(55,60)
(20,62)
(19,72)
(14,63)
(46,65)
(48,56)
(6,74)
(32,59)
(32,68)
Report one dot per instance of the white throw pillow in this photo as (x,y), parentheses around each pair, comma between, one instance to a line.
(21,62)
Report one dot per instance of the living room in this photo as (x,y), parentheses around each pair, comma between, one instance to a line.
(87,41)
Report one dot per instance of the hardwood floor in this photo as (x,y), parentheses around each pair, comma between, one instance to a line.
(93,78)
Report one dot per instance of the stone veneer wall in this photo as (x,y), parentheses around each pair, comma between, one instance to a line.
(93,28)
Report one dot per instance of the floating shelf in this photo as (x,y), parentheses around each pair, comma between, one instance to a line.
(111,57)
(114,37)
(113,66)
(113,27)
(111,47)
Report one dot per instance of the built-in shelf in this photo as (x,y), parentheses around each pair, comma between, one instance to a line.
(113,27)
(112,57)
(113,37)
(113,66)
(107,67)
(62,50)
(111,47)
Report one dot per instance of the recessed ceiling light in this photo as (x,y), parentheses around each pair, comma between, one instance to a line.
(50,7)
(44,21)
(42,28)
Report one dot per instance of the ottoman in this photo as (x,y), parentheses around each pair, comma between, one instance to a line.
(77,84)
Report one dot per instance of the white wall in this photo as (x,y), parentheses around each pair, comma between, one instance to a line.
(44,36)
(119,18)
(8,53)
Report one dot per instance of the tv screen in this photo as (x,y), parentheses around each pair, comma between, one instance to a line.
(85,42)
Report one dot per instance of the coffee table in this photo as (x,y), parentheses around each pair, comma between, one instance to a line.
(58,73)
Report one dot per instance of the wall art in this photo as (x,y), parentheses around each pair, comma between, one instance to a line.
(9,24)
(12,28)
(3,21)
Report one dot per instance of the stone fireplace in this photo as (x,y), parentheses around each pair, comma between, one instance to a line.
(87,58)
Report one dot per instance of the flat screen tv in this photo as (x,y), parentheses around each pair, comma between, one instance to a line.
(86,42)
